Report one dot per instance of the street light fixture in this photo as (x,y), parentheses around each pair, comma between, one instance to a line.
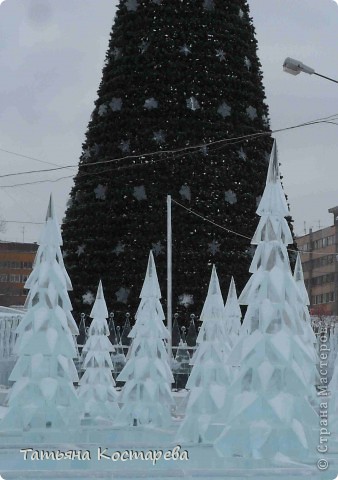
(295,67)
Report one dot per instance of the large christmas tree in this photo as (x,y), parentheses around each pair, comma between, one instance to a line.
(179,76)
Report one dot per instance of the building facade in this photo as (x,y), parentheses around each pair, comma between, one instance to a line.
(319,254)
(16,262)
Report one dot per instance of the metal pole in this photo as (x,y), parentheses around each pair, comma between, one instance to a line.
(169,276)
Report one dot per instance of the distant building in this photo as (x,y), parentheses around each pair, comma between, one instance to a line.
(319,254)
(16,261)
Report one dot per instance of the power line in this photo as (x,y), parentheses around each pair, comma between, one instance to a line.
(224,141)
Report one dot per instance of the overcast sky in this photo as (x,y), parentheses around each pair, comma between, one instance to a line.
(51,56)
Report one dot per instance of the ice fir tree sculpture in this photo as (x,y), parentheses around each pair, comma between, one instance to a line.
(43,394)
(209,377)
(146,397)
(309,335)
(96,391)
(267,412)
(233,314)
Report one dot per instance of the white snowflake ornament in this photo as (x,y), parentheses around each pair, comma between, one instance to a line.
(120,247)
(88,298)
(144,46)
(186,299)
(241,13)
(150,103)
(251,112)
(102,109)
(116,53)
(140,193)
(214,247)
(80,250)
(247,63)
(131,5)
(230,197)
(122,294)
(220,54)
(224,110)
(185,50)
(185,192)
(157,248)
(208,4)
(86,153)
(159,136)
(242,154)
(192,104)
(125,146)
(116,104)
(100,192)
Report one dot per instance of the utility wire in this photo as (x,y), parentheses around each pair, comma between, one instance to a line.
(328,119)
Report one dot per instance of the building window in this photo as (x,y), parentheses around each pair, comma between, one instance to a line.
(27,264)
(3,277)
(14,278)
(24,278)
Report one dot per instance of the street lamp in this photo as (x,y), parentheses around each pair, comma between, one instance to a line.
(294,67)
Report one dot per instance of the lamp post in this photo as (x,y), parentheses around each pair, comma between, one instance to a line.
(295,67)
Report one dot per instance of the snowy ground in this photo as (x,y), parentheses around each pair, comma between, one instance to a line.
(203,463)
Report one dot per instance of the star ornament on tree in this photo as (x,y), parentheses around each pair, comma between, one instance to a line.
(242,154)
(247,63)
(186,299)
